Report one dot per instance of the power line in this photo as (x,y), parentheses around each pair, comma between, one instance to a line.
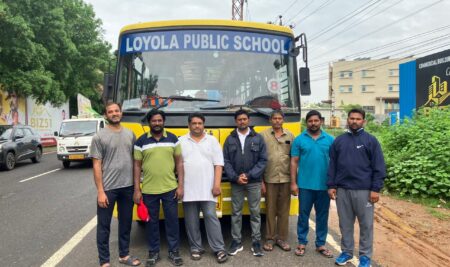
(289,7)
(368,66)
(388,44)
(361,21)
(344,19)
(384,27)
(327,2)
(301,10)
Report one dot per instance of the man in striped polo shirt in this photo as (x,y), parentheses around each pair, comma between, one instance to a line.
(158,153)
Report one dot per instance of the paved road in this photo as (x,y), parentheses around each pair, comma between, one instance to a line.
(40,217)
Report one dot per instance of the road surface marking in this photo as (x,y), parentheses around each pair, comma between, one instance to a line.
(50,152)
(39,175)
(71,244)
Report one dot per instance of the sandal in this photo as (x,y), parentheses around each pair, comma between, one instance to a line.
(130,261)
(221,256)
(300,250)
(268,246)
(325,252)
(283,245)
(196,255)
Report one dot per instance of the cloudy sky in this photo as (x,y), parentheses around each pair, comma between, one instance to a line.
(336,29)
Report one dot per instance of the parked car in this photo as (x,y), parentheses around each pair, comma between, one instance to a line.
(75,137)
(18,142)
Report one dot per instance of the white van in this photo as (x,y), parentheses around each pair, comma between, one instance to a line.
(74,139)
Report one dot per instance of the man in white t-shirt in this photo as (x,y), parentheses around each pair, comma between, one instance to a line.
(203,164)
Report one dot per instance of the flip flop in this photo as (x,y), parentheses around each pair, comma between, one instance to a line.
(300,250)
(268,246)
(283,245)
(325,252)
(221,256)
(130,261)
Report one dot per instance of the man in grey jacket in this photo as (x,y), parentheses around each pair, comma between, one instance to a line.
(245,159)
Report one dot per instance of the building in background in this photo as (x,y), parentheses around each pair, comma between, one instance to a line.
(373,84)
(425,83)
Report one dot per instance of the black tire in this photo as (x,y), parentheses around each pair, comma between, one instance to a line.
(10,161)
(37,157)
(66,164)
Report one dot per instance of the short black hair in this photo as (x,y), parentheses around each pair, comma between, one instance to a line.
(196,115)
(275,112)
(241,112)
(110,103)
(357,110)
(154,112)
(313,113)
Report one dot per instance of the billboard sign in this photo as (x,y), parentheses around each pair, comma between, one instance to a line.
(46,119)
(433,80)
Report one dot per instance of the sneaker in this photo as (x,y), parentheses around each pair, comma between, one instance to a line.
(256,248)
(175,259)
(153,258)
(364,261)
(343,258)
(235,248)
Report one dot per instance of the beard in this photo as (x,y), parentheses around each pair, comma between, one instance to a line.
(314,130)
(110,121)
(157,129)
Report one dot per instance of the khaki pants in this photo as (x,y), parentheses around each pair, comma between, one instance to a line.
(278,203)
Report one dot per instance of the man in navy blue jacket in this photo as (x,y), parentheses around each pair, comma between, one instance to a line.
(245,158)
(355,178)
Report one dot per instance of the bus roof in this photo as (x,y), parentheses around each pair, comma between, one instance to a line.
(217,23)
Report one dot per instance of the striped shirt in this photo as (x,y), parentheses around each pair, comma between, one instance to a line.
(158,162)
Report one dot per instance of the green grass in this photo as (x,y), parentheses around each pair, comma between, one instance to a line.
(438,214)
(428,202)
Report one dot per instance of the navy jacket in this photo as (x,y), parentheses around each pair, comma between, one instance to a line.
(356,162)
(252,161)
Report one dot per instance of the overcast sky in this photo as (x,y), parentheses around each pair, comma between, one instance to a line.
(335,29)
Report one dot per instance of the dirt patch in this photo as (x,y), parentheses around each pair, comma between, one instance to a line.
(406,234)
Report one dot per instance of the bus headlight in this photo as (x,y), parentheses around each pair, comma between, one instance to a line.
(61,149)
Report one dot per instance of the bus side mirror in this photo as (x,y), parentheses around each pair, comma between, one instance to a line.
(55,133)
(108,82)
(303,74)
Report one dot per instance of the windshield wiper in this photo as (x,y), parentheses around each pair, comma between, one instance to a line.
(184,98)
(71,134)
(231,106)
(89,133)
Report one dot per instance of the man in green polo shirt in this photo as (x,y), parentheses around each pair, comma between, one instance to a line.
(158,153)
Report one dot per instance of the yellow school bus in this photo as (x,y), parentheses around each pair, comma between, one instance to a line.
(210,66)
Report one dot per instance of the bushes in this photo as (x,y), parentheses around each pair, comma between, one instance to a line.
(417,154)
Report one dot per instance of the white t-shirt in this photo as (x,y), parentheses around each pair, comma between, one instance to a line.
(199,160)
(242,137)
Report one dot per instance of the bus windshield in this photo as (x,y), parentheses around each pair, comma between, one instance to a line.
(197,70)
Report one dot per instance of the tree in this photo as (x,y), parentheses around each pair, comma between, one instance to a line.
(51,50)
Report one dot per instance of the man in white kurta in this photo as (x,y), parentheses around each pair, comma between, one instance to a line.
(203,163)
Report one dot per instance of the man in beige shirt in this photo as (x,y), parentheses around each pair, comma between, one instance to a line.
(276,182)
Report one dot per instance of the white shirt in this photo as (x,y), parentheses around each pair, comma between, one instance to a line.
(199,160)
(242,137)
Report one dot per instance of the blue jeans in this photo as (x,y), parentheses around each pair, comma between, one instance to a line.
(170,208)
(124,199)
(321,202)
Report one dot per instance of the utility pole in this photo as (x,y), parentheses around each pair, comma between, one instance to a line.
(237,9)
